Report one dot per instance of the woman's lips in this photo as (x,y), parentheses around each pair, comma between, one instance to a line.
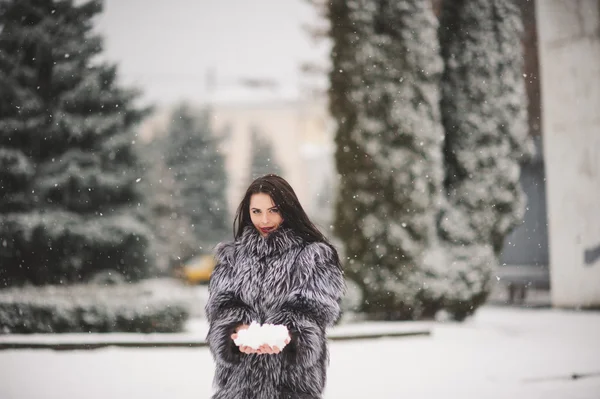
(266,229)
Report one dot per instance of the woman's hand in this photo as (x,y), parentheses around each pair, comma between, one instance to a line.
(248,350)
(268,350)
(244,349)
(271,350)
(263,350)
(237,329)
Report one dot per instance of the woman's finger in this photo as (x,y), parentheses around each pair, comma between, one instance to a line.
(234,336)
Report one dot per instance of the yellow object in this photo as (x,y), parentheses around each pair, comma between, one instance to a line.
(198,269)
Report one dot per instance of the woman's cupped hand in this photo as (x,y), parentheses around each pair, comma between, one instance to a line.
(264,349)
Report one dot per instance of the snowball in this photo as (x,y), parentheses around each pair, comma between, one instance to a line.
(256,335)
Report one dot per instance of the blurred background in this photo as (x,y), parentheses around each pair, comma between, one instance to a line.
(449,149)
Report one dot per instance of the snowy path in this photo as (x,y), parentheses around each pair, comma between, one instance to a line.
(501,353)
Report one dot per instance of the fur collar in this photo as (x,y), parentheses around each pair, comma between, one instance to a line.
(279,241)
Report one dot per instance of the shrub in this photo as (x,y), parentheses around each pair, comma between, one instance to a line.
(91,308)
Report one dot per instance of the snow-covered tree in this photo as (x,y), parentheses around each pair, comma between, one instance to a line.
(485,119)
(193,155)
(384,95)
(69,203)
(174,239)
(262,157)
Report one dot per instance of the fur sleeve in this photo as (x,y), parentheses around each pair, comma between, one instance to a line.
(313,305)
(224,308)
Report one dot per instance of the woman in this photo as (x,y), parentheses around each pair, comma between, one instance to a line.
(279,270)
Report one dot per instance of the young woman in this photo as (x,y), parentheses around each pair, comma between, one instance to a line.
(279,270)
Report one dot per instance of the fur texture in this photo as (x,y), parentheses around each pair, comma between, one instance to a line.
(281,280)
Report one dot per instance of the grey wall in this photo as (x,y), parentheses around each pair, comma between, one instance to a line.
(528,243)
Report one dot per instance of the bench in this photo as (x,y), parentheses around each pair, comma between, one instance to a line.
(519,278)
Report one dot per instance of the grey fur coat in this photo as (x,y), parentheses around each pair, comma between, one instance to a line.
(280,280)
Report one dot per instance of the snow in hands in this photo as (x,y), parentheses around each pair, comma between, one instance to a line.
(256,335)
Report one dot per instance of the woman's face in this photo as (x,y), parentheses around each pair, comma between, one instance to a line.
(264,214)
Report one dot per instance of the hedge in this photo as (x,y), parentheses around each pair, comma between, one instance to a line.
(91,308)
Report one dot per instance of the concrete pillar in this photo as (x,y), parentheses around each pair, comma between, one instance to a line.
(569,45)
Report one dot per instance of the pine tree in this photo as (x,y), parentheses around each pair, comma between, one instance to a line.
(174,239)
(199,171)
(262,160)
(484,116)
(384,95)
(69,204)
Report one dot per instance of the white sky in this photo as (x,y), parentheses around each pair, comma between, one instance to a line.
(166,47)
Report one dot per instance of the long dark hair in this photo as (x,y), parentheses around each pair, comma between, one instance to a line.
(287,202)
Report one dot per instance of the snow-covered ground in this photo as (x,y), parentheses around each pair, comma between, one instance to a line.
(499,353)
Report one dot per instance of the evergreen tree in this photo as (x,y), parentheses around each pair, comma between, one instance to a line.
(199,171)
(69,203)
(484,116)
(175,240)
(262,160)
(384,95)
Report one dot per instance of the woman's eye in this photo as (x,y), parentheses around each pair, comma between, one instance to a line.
(255,211)
(275,210)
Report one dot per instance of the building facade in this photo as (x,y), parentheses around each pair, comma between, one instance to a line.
(300,132)
(569,50)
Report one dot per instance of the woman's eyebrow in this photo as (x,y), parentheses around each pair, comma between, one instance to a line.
(258,209)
